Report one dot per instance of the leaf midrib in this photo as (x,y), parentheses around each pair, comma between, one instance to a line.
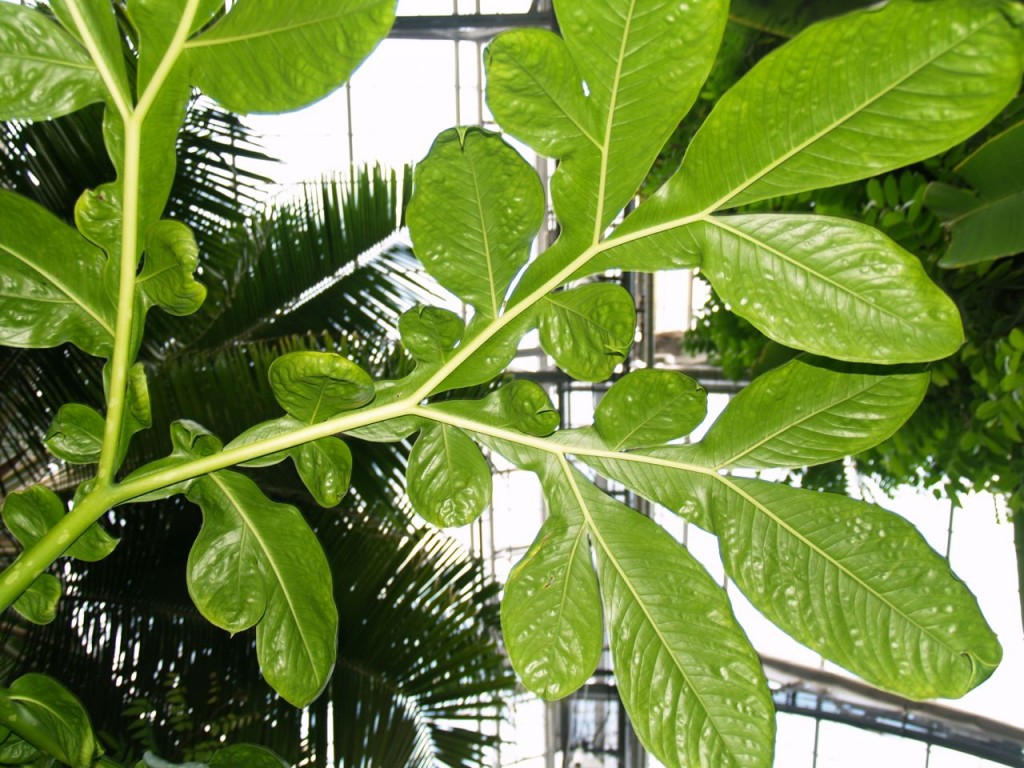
(807,269)
(791,425)
(280,582)
(595,531)
(788,155)
(838,565)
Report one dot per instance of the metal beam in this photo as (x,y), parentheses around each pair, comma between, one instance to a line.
(475,27)
(829,696)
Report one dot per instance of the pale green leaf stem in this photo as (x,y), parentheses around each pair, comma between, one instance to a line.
(114,84)
(121,360)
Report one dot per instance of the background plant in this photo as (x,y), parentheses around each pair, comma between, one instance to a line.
(846,578)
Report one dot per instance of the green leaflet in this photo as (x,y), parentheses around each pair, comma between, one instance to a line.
(649,407)
(314,386)
(50,718)
(14,750)
(189,441)
(984,224)
(520,405)
(802,414)
(246,756)
(830,287)
(691,683)
(476,208)
(430,333)
(856,583)
(588,330)
(643,63)
(50,280)
(256,562)
(31,513)
(38,603)
(551,611)
(45,72)
(76,434)
(324,465)
(493,355)
(171,257)
(275,58)
(866,114)
(447,478)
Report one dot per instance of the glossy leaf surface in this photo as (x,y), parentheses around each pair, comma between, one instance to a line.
(802,414)
(275,58)
(984,223)
(50,280)
(649,407)
(551,611)
(47,715)
(76,434)
(45,72)
(325,467)
(866,114)
(588,330)
(171,257)
(448,479)
(269,548)
(857,584)
(521,405)
(609,130)
(476,208)
(430,333)
(830,287)
(38,604)
(314,386)
(686,673)
(31,513)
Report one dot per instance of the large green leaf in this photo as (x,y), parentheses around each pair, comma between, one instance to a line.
(588,330)
(274,58)
(551,610)
(802,414)
(45,72)
(856,583)
(476,208)
(50,282)
(829,286)
(95,26)
(48,716)
(449,480)
(687,675)
(256,562)
(868,92)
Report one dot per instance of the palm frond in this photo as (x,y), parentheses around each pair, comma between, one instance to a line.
(328,259)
